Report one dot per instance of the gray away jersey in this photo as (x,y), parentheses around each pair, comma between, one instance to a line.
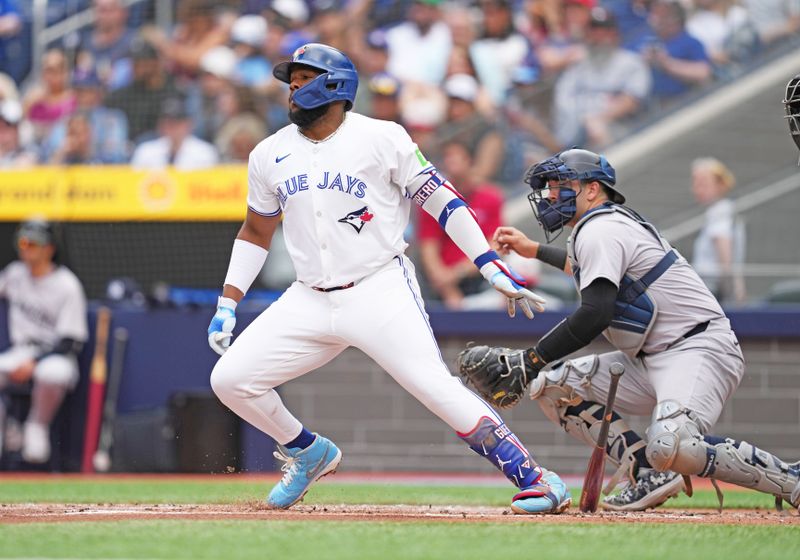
(43,310)
(612,245)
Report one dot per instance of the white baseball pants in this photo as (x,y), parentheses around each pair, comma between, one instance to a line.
(383,315)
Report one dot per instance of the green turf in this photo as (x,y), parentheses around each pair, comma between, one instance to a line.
(389,541)
(230,489)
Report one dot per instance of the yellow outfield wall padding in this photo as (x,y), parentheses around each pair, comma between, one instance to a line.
(120,193)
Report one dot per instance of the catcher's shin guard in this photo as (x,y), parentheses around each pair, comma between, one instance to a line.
(497,442)
(582,419)
(676,442)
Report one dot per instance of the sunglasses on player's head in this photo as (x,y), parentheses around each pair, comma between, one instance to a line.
(26,243)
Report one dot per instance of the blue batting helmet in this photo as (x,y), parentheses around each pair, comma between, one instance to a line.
(338,81)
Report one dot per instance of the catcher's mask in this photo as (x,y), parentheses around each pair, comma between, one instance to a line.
(569,165)
(792,104)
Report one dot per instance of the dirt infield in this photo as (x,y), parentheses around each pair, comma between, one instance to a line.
(56,513)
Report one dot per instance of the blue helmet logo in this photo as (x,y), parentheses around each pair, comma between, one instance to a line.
(338,81)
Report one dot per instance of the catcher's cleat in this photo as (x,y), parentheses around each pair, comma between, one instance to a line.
(302,468)
(549,495)
(652,488)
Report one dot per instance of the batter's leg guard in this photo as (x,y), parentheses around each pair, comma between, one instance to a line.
(541,491)
(497,442)
(675,442)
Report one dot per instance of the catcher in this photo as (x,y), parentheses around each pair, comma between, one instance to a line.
(682,360)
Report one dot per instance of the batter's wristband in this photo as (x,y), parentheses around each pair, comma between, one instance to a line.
(486,258)
(247,259)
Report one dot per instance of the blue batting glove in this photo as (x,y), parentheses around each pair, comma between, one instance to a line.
(220,330)
(511,285)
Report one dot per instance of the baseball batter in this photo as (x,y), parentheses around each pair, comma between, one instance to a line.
(343,184)
(682,360)
(47,327)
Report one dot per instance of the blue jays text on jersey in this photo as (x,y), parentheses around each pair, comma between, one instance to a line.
(298,183)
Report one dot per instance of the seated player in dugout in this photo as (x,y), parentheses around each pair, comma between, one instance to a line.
(47,325)
(344,184)
(682,360)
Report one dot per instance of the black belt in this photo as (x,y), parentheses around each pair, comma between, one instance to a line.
(350,285)
(697,329)
(700,327)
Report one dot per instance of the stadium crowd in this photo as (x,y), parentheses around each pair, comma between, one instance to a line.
(511,79)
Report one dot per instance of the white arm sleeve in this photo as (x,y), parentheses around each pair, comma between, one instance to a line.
(247,259)
(439,199)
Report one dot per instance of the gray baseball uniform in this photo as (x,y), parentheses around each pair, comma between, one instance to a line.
(700,372)
(42,311)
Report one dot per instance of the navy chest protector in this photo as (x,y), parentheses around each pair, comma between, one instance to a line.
(634,310)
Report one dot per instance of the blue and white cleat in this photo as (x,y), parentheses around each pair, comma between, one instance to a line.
(302,468)
(549,495)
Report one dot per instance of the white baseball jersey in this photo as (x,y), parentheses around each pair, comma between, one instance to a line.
(344,199)
(43,310)
(612,245)
(346,204)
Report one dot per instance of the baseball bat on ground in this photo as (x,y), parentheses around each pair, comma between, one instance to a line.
(102,457)
(593,482)
(97,384)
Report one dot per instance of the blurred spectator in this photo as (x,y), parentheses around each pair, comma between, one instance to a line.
(678,61)
(449,273)
(774,19)
(331,24)
(386,13)
(461,21)
(528,138)
(385,90)
(371,60)
(719,249)
(10,28)
(12,153)
(632,16)
(240,120)
(420,47)
(109,127)
(564,44)
(217,71)
(466,125)
(423,108)
(106,44)
(249,36)
(199,30)
(725,30)
(238,136)
(175,146)
(499,50)
(8,88)
(77,145)
(141,101)
(593,98)
(47,327)
(51,98)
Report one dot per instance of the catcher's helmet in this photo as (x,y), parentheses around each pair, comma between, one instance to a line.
(569,165)
(338,82)
(792,104)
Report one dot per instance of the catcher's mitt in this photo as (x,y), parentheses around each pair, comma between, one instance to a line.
(500,375)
